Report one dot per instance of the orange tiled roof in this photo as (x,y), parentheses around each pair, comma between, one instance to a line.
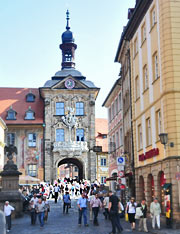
(101,127)
(16,97)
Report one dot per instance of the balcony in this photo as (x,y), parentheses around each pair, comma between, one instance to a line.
(72,148)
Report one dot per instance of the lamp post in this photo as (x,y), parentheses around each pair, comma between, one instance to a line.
(164,139)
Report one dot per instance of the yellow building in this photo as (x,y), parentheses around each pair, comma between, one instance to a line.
(2,144)
(153,33)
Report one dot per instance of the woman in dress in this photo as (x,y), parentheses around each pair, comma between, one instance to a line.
(131,211)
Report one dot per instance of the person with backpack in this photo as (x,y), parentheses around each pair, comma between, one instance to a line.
(131,211)
(114,207)
(67,202)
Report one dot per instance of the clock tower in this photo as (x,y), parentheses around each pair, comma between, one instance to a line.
(68,47)
(69,117)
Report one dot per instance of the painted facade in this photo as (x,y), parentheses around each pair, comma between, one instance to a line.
(113,103)
(22,111)
(101,134)
(153,34)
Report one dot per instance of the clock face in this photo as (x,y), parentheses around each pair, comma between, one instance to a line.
(69,83)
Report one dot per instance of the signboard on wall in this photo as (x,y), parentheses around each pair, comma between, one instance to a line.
(120,160)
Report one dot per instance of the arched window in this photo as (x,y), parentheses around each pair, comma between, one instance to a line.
(30,115)
(60,134)
(30,97)
(11,114)
(79,134)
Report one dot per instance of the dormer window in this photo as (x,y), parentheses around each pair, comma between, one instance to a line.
(30,115)
(30,97)
(11,114)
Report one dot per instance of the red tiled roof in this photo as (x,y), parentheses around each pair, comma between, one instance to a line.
(16,97)
(101,127)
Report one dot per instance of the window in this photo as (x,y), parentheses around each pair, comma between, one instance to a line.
(10,138)
(155,66)
(117,139)
(148,131)
(75,169)
(103,179)
(120,101)
(60,134)
(59,108)
(103,161)
(30,97)
(112,108)
(137,90)
(116,104)
(32,139)
(139,136)
(11,114)
(135,47)
(158,123)
(145,78)
(143,33)
(153,17)
(29,114)
(109,111)
(32,170)
(79,108)
(79,134)
(121,137)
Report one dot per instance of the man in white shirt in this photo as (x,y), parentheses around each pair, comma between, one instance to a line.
(34,199)
(7,211)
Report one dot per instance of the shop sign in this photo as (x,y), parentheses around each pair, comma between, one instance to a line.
(150,154)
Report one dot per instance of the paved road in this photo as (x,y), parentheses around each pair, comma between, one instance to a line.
(67,224)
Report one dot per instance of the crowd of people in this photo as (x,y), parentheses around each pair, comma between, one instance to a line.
(90,198)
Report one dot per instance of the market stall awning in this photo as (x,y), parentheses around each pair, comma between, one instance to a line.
(28,180)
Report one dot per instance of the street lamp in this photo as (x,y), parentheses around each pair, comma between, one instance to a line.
(164,140)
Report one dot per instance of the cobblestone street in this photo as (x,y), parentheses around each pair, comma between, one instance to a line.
(68,223)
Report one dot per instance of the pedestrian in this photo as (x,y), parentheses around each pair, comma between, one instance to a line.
(131,211)
(34,199)
(155,210)
(142,220)
(40,208)
(7,211)
(114,207)
(2,223)
(67,202)
(47,208)
(106,206)
(82,205)
(95,204)
(32,209)
(56,192)
(90,208)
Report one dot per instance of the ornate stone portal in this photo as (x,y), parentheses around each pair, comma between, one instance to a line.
(10,182)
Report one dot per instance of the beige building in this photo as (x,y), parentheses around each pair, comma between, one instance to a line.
(153,33)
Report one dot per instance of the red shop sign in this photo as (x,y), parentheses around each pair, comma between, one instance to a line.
(150,154)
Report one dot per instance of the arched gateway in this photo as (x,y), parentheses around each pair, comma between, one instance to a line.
(75,162)
(69,116)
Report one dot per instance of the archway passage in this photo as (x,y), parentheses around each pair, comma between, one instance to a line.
(73,161)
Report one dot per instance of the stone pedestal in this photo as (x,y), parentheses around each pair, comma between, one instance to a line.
(9,192)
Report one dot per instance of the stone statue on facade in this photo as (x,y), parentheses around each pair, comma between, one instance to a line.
(70,121)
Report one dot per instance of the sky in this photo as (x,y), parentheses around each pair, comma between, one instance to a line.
(31,33)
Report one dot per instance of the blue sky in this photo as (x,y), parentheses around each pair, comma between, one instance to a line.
(31,33)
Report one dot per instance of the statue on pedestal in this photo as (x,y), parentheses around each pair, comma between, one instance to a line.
(9,151)
(70,121)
